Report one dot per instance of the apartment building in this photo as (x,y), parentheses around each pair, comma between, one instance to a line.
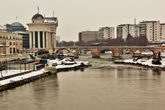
(150,29)
(162,32)
(107,33)
(127,30)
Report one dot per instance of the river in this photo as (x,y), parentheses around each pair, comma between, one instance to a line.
(104,86)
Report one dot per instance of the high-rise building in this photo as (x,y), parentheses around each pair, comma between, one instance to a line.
(58,38)
(150,29)
(162,32)
(42,32)
(107,33)
(127,30)
(88,36)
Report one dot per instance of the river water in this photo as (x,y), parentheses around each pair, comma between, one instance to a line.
(104,86)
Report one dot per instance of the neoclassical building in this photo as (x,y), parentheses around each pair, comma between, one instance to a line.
(11,42)
(42,32)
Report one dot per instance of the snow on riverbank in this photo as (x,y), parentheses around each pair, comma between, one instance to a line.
(5,73)
(61,64)
(76,64)
(145,62)
(66,63)
(21,77)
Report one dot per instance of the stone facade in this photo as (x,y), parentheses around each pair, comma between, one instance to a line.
(11,41)
(42,32)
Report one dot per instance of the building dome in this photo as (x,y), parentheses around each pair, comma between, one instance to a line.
(17,24)
(36,16)
(1,27)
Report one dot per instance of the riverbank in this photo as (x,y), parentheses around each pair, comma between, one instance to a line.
(143,62)
(14,78)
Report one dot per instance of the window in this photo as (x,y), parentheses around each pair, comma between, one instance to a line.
(36,39)
(13,50)
(41,39)
(45,39)
(32,39)
(10,50)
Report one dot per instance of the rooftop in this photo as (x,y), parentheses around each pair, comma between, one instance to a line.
(149,21)
(17,24)
(36,16)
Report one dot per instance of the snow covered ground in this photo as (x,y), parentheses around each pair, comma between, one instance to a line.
(11,72)
(147,62)
(21,77)
(66,63)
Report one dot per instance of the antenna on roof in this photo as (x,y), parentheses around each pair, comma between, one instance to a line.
(134,21)
(38,9)
(16,18)
(53,13)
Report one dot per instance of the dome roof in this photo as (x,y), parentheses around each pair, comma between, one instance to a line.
(36,16)
(16,24)
(1,27)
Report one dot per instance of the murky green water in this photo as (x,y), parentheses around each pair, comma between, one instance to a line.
(105,86)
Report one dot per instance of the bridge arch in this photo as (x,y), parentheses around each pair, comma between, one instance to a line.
(116,50)
(94,52)
(59,49)
(110,51)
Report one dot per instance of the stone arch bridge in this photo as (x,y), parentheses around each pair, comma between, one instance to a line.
(116,50)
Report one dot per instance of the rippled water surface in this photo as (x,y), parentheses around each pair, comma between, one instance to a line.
(104,86)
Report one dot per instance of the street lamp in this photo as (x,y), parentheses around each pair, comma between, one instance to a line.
(6,53)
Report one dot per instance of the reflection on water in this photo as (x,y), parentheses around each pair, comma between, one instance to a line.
(157,72)
(104,86)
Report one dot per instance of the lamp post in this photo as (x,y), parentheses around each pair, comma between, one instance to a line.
(6,53)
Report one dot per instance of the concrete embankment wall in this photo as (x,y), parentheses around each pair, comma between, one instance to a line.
(24,81)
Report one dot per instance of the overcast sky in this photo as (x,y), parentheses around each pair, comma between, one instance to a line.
(79,15)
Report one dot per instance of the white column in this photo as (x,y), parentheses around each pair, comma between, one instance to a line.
(33,39)
(47,40)
(39,39)
(43,39)
(30,40)
(54,40)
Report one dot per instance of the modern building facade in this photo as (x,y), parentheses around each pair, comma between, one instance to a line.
(18,28)
(150,29)
(86,36)
(127,30)
(42,32)
(12,42)
(107,33)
